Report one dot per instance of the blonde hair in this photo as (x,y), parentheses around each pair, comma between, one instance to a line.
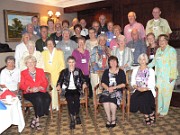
(143,55)
(101,36)
(31,43)
(29,57)
(117,27)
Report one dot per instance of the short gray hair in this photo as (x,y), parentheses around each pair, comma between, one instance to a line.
(30,57)
(102,36)
(31,43)
(68,30)
(144,56)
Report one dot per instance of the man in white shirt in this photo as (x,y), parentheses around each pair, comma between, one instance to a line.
(84,31)
(20,49)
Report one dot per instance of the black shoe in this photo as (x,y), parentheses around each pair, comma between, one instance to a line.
(108,125)
(78,120)
(72,123)
(113,125)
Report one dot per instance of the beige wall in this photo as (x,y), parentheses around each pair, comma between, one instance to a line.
(28,7)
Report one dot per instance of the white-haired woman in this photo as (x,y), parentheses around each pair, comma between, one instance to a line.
(123,53)
(143,82)
(32,51)
(33,83)
(99,59)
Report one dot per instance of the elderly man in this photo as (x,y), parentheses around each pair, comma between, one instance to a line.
(103,27)
(133,24)
(137,45)
(74,22)
(84,31)
(96,25)
(66,45)
(57,36)
(30,31)
(20,49)
(40,43)
(158,25)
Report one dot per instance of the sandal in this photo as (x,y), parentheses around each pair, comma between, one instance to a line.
(147,119)
(38,125)
(113,125)
(108,124)
(33,123)
(152,118)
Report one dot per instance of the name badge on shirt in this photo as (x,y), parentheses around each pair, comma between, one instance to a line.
(104,56)
(64,86)
(114,47)
(56,41)
(138,79)
(83,61)
(102,32)
(114,36)
(44,48)
(109,40)
(130,30)
(49,62)
(155,28)
(151,57)
(112,80)
(67,48)
(35,32)
(132,49)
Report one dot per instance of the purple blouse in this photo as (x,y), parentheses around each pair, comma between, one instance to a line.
(142,78)
(82,60)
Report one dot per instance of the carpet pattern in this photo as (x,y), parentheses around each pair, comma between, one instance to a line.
(168,125)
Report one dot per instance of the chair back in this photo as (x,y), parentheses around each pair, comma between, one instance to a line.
(48,76)
(99,88)
(128,79)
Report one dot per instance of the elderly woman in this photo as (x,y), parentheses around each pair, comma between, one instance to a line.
(113,80)
(77,30)
(71,82)
(165,62)
(32,51)
(99,59)
(53,63)
(33,84)
(124,54)
(92,41)
(152,48)
(10,76)
(117,32)
(82,57)
(143,83)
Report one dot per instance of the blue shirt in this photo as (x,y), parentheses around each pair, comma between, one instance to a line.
(110,36)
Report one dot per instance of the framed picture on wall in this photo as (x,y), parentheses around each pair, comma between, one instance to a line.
(15,22)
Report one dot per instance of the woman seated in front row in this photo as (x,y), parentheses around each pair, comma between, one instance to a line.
(34,83)
(143,82)
(71,82)
(113,81)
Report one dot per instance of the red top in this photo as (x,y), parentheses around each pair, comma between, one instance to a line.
(27,81)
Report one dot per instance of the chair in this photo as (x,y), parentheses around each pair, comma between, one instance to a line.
(83,100)
(27,104)
(129,93)
(96,94)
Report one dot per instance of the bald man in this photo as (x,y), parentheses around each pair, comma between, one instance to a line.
(158,25)
(133,24)
(137,45)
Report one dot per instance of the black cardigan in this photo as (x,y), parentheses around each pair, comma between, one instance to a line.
(120,77)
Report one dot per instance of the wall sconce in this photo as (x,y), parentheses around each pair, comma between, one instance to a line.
(50,13)
(57,14)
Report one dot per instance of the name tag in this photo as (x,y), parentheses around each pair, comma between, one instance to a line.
(104,56)
(56,41)
(35,32)
(129,30)
(132,49)
(109,40)
(64,86)
(114,36)
(138,79)
(151,57)
(49,62)
(67,48)
(83,61)
(44,48)
(155,28)
(114,47)
(112,80)
(102,32)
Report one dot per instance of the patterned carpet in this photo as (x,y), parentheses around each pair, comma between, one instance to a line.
(169,125)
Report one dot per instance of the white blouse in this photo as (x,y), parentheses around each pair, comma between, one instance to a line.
(151,79)
(10,78)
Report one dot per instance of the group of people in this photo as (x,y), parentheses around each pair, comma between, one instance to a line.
(73,56)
